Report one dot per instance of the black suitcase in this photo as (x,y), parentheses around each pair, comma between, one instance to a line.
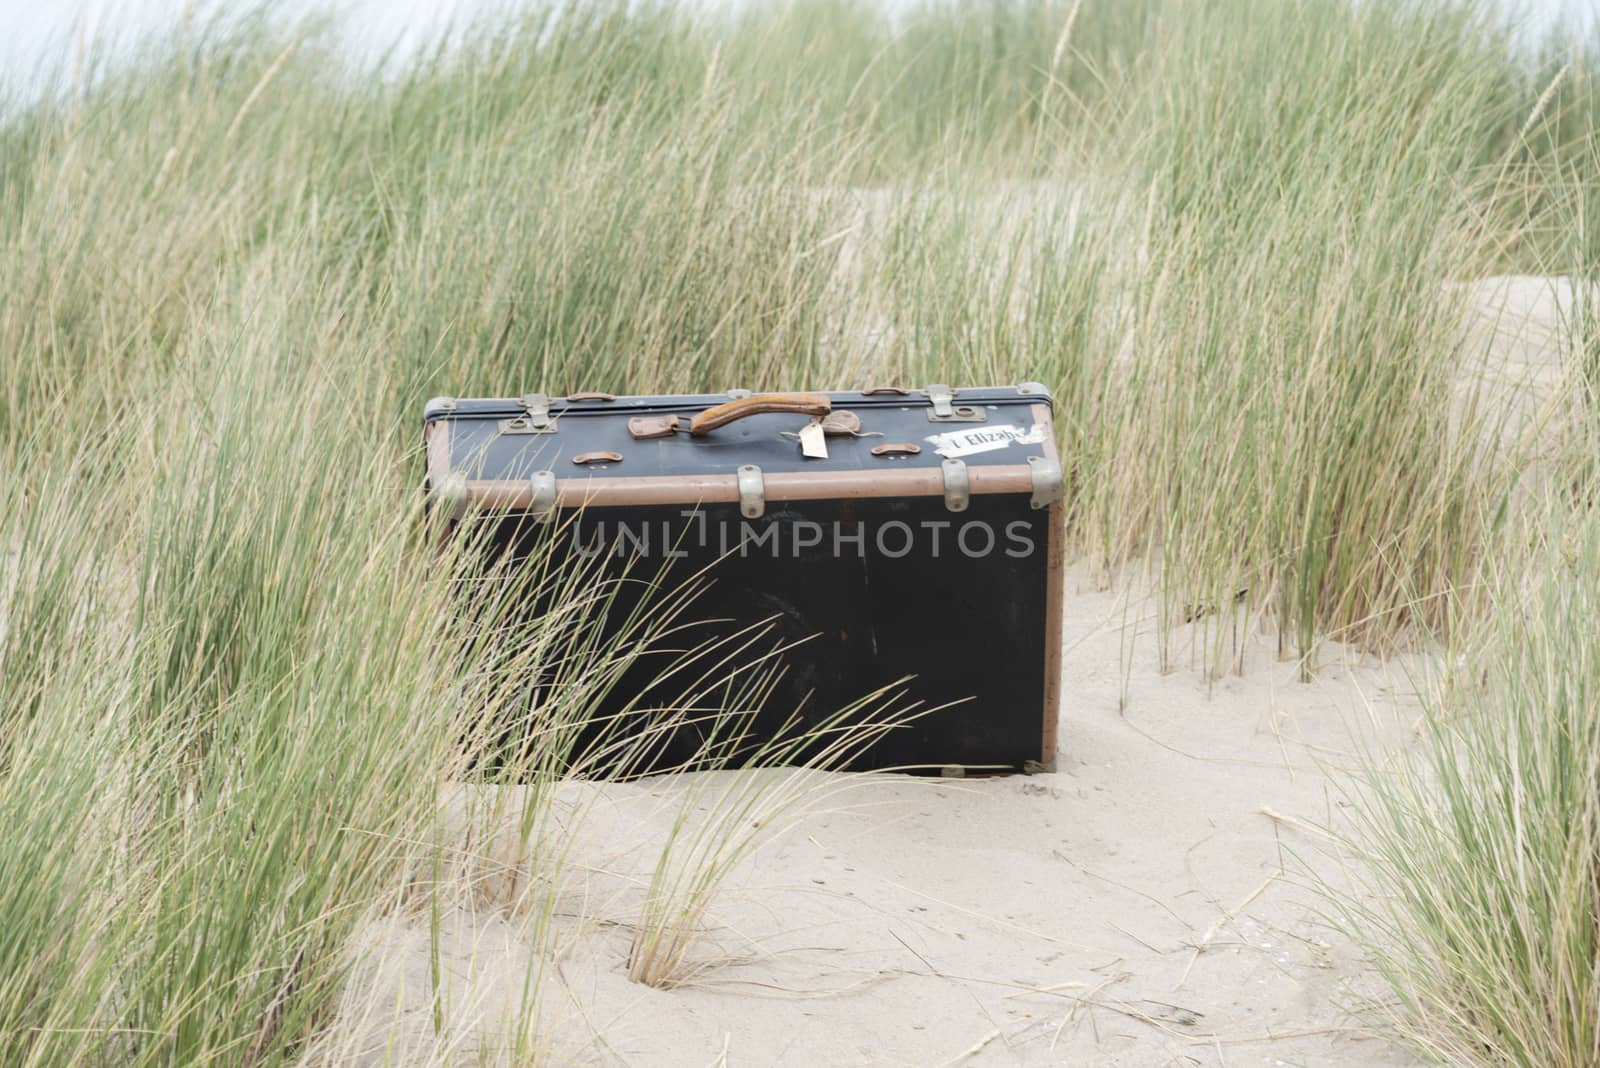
(881,534)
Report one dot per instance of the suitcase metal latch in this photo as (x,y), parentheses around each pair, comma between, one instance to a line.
(944,410)
(957,490)
(752,492)
(535,418)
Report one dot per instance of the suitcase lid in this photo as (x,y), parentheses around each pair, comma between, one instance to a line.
(604,404)
(538,453)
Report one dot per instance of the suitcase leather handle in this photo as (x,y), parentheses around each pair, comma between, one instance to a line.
(759,404)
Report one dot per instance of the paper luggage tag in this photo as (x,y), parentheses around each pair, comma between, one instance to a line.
(970,440)
(813,441)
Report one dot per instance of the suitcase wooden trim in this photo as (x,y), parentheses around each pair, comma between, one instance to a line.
(712,489)
(1054,604)
(788,486)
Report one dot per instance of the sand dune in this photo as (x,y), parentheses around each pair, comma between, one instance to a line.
(1025,920)
(1149,903)
(1519,335)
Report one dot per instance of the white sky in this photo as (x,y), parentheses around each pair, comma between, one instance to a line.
(45,34)
(37,34)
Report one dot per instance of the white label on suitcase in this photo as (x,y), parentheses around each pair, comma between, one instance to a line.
(813,441)
(970,440)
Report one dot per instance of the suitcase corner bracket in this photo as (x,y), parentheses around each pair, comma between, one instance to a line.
(1048,486)
(449,495)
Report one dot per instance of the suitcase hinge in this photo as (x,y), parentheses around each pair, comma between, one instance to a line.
(535,418)
(1047,481)
(944,410)
(542,499)
(957,491)
(752,492)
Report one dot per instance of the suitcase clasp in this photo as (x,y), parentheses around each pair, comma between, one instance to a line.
(535,418)
(944,409)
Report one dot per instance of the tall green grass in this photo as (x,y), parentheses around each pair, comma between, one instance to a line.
(233,665)
(1483,854)
(1248,318)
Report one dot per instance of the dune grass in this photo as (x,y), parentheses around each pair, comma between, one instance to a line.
(1483,854)
(230,274)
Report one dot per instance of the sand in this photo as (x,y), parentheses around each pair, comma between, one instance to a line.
(1151,902)
(1137,907)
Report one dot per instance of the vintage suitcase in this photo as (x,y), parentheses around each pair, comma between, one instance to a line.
(889,533)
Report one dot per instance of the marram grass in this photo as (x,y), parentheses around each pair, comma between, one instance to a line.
(1483,855)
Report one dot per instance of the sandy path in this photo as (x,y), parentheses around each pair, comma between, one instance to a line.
(918,922)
